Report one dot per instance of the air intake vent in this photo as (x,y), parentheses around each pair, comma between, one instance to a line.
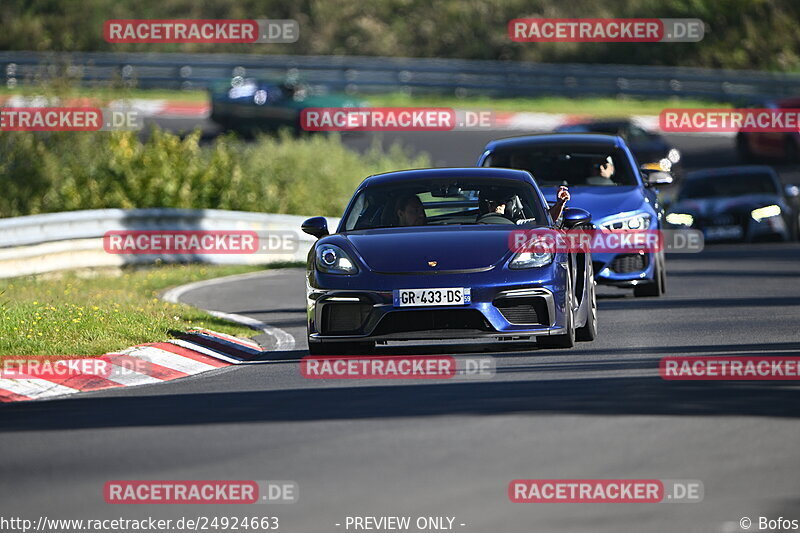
(344,318)
(523,311)
(627,263)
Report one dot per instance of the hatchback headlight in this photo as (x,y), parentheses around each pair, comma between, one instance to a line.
(680,219)
(635,222)
(765,212)
(333,260)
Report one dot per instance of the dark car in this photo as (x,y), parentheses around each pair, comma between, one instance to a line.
(745,203)
(417,257)
(757,145)
(249,106)
(625,201)
(649,147)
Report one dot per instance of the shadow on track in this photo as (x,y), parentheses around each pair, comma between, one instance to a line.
(596,396)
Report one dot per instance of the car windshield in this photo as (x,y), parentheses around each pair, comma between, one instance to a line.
(446,202)
(561,165)
(728,186)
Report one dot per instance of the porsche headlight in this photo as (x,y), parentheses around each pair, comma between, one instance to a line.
(531,259)
(635,222)
(333,260)
(665,164)
(680,219)
(765,212)
(674,155)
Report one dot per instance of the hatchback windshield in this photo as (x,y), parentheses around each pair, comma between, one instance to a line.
(564,165)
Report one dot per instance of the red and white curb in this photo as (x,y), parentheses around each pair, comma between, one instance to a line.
(502,120)
(139,365)
(147,107)
(197,351)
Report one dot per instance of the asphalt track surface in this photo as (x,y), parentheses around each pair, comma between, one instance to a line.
(450,448)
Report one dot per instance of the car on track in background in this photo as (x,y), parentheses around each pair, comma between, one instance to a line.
(249,106)
(649,147)
(419,256)
(746,203)
(754,146)
(627,199)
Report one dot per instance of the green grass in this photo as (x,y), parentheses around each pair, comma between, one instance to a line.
(93,312)
(598,107)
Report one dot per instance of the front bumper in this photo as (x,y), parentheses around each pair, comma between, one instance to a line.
(522,304)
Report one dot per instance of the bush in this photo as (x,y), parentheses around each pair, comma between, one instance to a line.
(70,171)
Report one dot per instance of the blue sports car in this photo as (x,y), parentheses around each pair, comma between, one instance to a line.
(425,254)
(604,179)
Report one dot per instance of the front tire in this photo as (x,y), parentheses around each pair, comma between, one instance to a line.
(657,287)
(588,332)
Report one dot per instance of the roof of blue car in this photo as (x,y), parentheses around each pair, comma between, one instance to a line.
(555,139)
(445,173)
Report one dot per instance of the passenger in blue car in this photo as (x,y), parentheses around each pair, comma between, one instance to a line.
(409,211)
(562,197)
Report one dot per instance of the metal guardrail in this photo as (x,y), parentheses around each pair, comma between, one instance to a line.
(43,243)
(388,74)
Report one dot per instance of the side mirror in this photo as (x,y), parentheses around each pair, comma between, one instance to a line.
(316,226)
(792,191)
(574,216)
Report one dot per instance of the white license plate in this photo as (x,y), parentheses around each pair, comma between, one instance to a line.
(428,297)
(723,232)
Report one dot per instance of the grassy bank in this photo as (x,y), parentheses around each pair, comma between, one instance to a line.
(45,173)
(597,107)
(95,312)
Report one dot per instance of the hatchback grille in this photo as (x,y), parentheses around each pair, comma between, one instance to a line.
(627,263)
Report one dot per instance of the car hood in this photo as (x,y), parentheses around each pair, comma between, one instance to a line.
(601,202)
(451,247)
(708,207)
